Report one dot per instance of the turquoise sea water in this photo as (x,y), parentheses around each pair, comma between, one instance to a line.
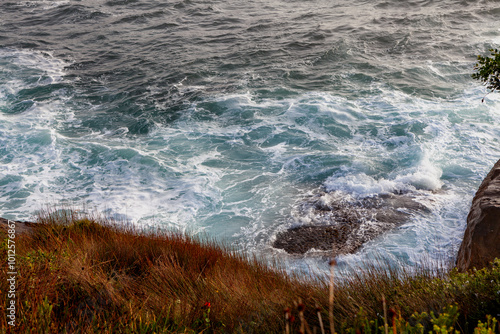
(222,117)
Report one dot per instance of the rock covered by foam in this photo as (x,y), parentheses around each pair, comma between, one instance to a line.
(338,223)
(481,243)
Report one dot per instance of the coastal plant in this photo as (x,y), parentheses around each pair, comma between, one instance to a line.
(204,321)
(444,322)
(488,327)
(488,70)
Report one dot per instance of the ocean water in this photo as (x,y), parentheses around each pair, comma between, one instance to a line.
(221,118)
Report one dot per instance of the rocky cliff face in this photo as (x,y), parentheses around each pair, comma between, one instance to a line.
(481,243)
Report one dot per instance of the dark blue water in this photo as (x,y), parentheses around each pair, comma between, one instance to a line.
(222,116)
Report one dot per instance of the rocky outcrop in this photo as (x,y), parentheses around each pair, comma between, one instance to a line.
(18,226)
(338,223)
(481,243)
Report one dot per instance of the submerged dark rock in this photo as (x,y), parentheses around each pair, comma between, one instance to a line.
(303,238)
(342,224)
(481,243)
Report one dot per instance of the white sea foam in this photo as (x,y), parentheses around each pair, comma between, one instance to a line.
(42,4)
(241,174)
(47,68)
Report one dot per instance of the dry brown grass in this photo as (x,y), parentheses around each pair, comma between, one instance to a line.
(97,274)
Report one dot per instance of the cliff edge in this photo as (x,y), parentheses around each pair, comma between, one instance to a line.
(481,243)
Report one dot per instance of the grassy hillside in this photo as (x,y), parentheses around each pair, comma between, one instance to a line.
(79,275)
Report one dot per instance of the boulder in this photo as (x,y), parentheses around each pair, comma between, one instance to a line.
(481,243)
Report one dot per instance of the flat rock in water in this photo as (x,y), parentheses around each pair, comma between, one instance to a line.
(342,224)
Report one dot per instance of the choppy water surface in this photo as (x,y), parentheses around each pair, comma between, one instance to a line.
(222,117)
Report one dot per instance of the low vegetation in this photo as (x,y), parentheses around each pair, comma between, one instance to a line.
(488,70)
(82,275)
